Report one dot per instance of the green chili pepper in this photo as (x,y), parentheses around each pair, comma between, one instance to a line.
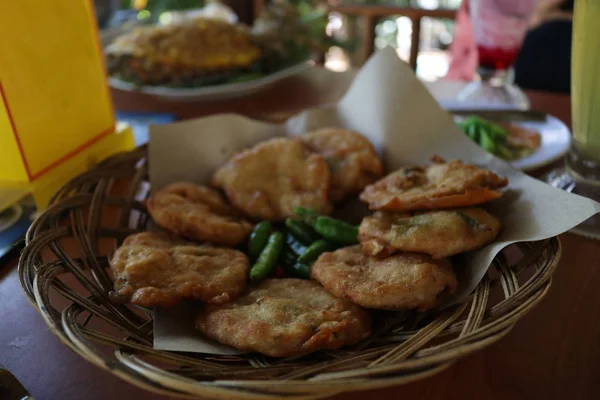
(297,247)
(292,267)
(473,132)
(496,131)
(308,216)
(301,231)
(268,257)
(487,143)
(302,270)
(472,120)
(298,270)
(336,231)
(288,257)
(488,135)
(314,251)
(503,152)
(258,239)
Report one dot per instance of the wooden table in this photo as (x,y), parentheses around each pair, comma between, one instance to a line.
(553,353)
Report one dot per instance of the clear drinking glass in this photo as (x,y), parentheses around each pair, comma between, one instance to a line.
(581,174)
(499,27)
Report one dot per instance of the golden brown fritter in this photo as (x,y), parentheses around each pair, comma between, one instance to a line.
(274,177)
(351,158)
(440,234)
(185,53)
(199,213)
(285,317)
(402,281)
(441,185)
(156,269)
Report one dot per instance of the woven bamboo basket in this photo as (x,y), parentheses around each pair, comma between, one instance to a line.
(64,272)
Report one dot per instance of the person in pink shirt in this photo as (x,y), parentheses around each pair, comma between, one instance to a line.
(463,52)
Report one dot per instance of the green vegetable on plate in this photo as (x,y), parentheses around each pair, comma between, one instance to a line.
(489,136)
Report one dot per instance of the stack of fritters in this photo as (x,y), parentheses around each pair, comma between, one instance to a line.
(192,52)
(402,261)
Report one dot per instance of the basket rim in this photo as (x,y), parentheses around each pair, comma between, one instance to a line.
(169,384)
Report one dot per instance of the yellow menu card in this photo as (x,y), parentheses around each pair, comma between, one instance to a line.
(54,100)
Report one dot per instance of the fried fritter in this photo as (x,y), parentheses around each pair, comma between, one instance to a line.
(401,281)
(156,269)
(440,234)
(274,177)
(441,185)
(199,213)
(285,317)
(351,158)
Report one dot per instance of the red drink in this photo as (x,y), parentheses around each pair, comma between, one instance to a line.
(496,58)
(499,27)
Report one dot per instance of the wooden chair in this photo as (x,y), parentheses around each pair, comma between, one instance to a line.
(372,13)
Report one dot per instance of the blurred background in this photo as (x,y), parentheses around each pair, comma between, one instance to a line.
(420,30)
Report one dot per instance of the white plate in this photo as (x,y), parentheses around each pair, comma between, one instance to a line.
(224,91)
(446,92)
(556,140)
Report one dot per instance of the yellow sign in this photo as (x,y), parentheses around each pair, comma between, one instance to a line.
(54,101)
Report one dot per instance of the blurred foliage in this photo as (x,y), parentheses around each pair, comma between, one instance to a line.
(314,15)
(159,6)
(405,3)
(289,31)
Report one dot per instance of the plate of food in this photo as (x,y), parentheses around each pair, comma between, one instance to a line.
(526,145)
(203,58)
(345,249)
